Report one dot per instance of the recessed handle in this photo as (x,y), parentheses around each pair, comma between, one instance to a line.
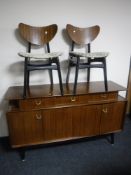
(38,102)
(105,110)
(38,116)
(73,99)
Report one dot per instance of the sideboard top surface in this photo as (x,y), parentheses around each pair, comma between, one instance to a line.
(36,91)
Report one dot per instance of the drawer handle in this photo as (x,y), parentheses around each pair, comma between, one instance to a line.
(105,110)
(38,117)
(73,99)
(38,102)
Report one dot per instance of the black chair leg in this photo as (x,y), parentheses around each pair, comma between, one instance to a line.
(25,78)
(28,78)
(24,90)
(60,78)
(51,79)
(50,74)
(68,73)
(105,75)
(88,72)
(76,75)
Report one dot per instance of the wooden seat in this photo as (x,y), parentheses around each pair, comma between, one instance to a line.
(39,37)
(83,37)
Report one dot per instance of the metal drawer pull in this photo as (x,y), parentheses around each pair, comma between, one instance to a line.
(38,117)
(73,99)
(105,110)
(38,102)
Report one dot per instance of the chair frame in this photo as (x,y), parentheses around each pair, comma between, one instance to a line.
(39,36)
(84,37)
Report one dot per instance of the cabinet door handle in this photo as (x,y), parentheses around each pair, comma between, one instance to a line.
(38,117)
(38,102)
(73,99)
(105,110)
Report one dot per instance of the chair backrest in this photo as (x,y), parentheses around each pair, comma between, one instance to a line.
(37,35)
(82,36)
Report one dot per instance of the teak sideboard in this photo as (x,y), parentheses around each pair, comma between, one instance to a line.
(45,116)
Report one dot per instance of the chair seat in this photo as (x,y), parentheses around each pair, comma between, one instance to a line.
(40,56)
(91,55)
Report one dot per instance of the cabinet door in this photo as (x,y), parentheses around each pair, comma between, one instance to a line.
(57,124)
(25,128)
(86,120)
(112,117)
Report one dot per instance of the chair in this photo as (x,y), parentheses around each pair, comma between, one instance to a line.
(39,37)
(83,37)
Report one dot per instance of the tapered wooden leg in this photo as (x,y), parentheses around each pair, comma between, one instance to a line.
(22,154)
(112,138)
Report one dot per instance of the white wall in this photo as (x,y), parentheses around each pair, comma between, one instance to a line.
(113,16)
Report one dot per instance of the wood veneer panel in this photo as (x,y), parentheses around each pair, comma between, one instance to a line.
(86,121)
(16,92)
(112,117)
(57,124)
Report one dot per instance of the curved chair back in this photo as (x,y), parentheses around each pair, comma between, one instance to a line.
(38,35)
(82,35)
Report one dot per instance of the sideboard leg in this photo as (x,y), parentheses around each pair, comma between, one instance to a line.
(22,154)
(112,138)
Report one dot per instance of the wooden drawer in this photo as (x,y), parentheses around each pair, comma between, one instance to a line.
(47,102)
(39,103)
(102,97)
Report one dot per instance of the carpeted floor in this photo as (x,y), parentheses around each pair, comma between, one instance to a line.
(91,157)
